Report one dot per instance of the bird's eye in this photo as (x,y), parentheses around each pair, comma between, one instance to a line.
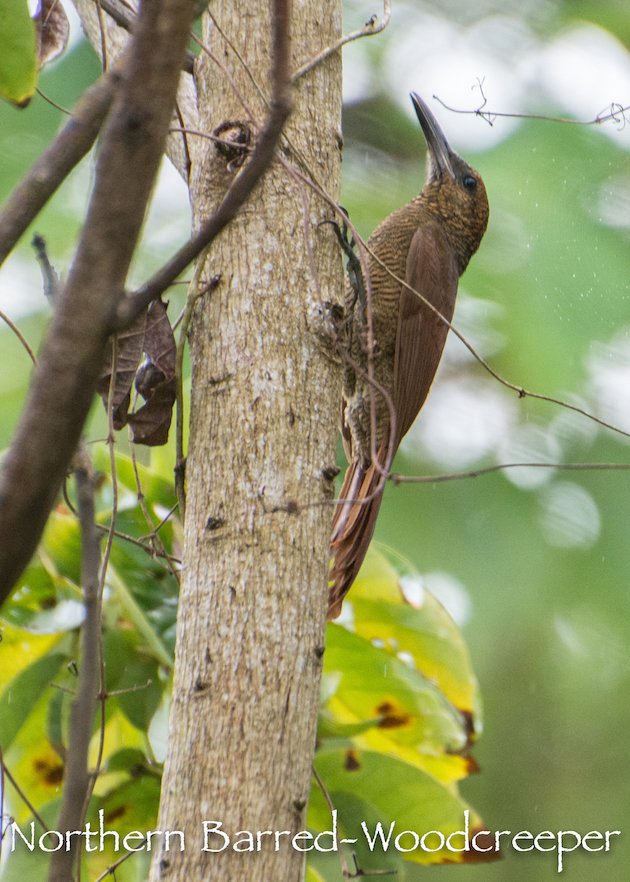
(470,183)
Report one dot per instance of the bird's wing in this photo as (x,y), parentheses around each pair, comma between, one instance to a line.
(432,272)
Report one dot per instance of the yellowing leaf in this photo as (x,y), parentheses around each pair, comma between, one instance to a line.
(410,717)
(23,693)
(18,52)
(423,632)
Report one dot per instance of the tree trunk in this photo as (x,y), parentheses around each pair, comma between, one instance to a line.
(262,441)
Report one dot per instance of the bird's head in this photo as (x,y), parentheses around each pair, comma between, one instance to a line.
(453,191)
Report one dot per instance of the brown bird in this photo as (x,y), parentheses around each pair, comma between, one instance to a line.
(395,340)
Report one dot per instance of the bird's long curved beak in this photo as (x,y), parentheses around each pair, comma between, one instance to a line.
(439,150)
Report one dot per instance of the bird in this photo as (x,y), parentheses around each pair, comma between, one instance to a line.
(397,320)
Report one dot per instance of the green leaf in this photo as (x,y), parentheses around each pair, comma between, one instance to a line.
(138,617)
(394,793)
(61,545)
(19,649)
(18,52)
(158,490)
(127,669)
(313,876)
(21,695)
(133,761)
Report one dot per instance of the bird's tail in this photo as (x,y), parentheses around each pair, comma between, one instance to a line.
(353,525)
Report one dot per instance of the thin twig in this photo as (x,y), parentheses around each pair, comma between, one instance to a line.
(111,870)
(141,543)
(5,318)
(345,872)
(617,113)
(371,27)
(111,441)
(156,546)
(180,459)
(224,70)
(76,773)
(130,689)
(52,103)
(503,466)
(165,519)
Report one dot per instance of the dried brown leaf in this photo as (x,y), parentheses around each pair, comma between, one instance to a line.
(53,30)
(159,343)
(155,380)
(129,349)
(150,424)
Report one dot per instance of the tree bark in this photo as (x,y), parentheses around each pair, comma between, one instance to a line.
(262,442)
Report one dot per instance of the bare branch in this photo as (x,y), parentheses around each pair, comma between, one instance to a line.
(55,164)
(70,362)
(125,19)
(504,466)
(11,324)
(52,103)
(49,276)
(180,459)
(76,773)
(111,871)
(371,27)
(615,112)
(156,546)
(101,29)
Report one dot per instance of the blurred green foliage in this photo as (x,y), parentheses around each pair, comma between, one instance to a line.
(536,567)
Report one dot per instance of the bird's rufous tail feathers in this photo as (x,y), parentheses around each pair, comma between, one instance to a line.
(353,525)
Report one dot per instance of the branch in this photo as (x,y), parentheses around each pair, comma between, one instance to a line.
(110,41)
(242,186)
(55,164)
(24,342)
(125,19)
(132,143)
(615,112)
(76,773)
(371,27)
(503,466)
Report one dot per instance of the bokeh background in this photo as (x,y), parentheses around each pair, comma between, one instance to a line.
(532,563)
